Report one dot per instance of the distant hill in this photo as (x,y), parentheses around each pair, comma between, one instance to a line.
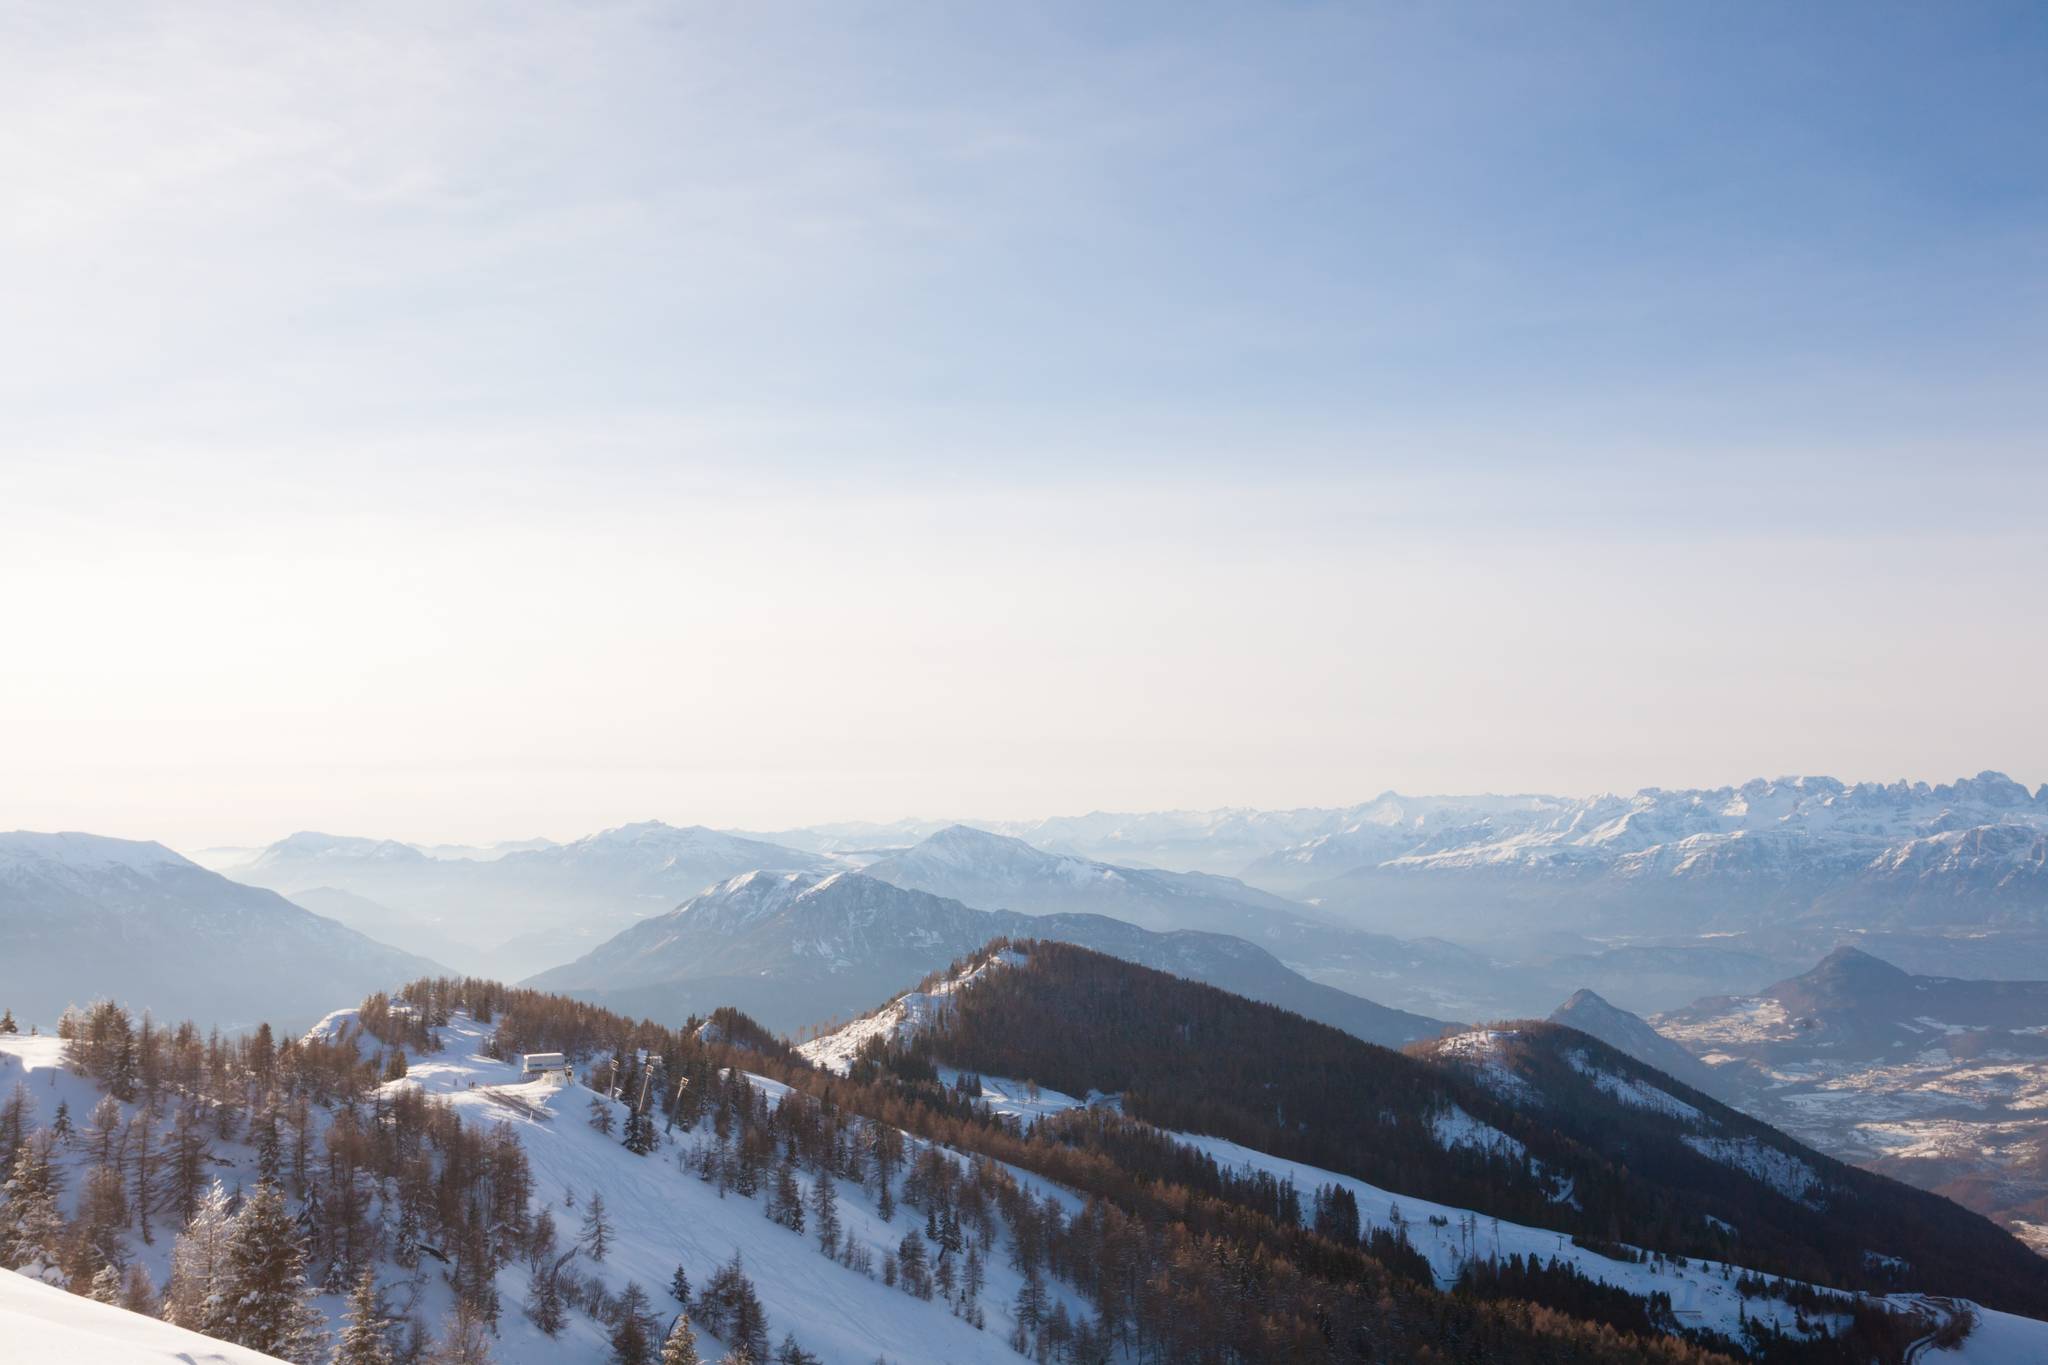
(524,908)
(82,915)
(795,948)
(995,872)
(1630,1035)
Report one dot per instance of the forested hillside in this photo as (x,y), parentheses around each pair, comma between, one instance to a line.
(395,1186)
(1580,1157)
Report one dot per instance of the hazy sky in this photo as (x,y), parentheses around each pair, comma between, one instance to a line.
(473,421)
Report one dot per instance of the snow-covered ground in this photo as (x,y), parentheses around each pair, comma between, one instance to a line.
(898,1020)
(41,1324)
(1637,1094)
(1480,1049)
(1701,1293)
(663,1216)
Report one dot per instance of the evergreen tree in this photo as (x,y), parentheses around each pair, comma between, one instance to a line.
(61,1124)
(96,1233)
(732,1310)
(103,1132)
(631,1337)
(597,1229)
(267,1305)
(541,1245)
(786,1199)
(825,1210)
(789,1353)
(912,1269)
(681,1346)
(679,1286)
(601,1114)
(141,1139)
(193,1297)
(544,1295)
(641,1137)
(394,1070)
(14,1117)
(7,1024)
(138,1294)
(31,1227)
(464,1339)
(362,1340)
(269,1145)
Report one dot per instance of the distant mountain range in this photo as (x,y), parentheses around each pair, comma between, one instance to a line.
(794,949)
(525,908)
(82,915)
(1903,855)
(1471,906)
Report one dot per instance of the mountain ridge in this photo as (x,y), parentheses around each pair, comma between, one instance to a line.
(833,944)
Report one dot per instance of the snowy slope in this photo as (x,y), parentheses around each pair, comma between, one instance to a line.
(899,1020)
(663,1214)
(43,1325)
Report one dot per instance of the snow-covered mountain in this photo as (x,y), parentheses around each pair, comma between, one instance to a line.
(525,908)
(1973,851)
(794,948)
(81,914)
(997,872)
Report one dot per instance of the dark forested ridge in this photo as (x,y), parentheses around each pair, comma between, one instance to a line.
(1186,1056)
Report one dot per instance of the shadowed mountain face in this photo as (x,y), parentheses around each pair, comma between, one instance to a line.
(794,949)
(83,916)
(1940,1081)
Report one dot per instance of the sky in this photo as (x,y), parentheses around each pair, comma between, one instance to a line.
(474,421)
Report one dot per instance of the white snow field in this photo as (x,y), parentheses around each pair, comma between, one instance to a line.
(41,1324)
